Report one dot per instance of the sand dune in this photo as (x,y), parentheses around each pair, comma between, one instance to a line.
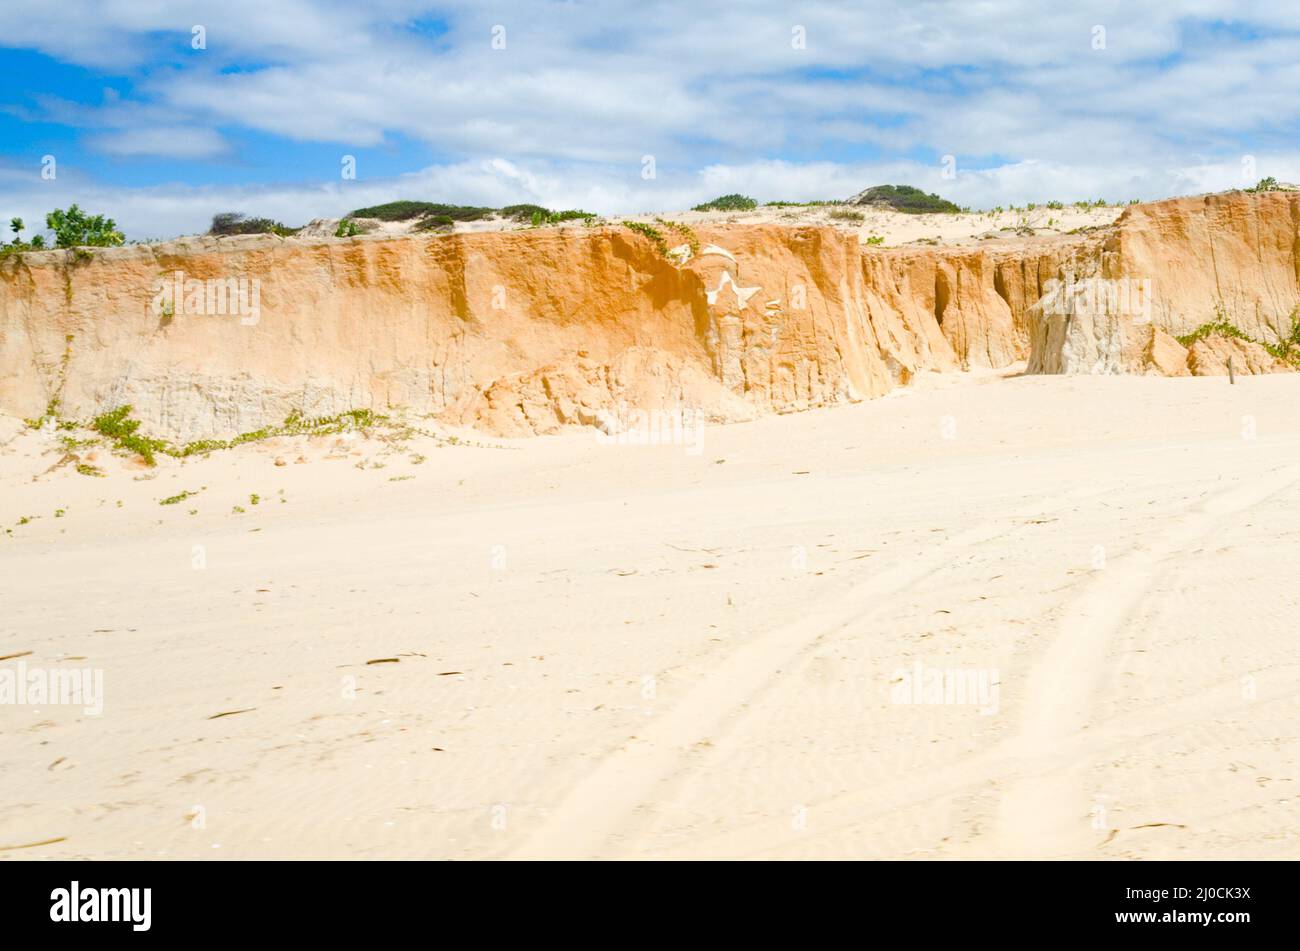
(565,647)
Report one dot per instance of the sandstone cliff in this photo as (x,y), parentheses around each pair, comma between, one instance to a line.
(514,333)
(524,332)
(1174,267)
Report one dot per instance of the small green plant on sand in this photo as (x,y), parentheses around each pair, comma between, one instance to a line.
(118,426)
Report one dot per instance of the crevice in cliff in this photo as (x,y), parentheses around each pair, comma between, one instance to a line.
(941,294)
(1000,288)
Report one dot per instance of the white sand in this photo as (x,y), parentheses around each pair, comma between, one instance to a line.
(637,651)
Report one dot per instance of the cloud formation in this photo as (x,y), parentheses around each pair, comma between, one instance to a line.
(558,102)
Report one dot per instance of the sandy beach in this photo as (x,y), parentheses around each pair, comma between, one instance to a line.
(988,615)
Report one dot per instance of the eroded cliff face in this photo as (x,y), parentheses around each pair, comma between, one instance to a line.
(513,333)
(1172,267)
(525,332)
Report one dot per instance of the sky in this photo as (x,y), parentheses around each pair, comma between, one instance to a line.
(161,113)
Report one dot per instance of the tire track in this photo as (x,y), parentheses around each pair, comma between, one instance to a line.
(599,804)
(1041,762)
(1042,814)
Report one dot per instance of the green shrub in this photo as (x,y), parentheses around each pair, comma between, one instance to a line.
(907,199)
(523,212)
(435,223)
(75,229)
(412,210)
(728,203)
(233,222)
(18,245)
(1269,184)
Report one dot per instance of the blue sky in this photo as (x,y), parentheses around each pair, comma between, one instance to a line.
(559,102)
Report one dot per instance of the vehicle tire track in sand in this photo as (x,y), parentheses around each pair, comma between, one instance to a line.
(598,805)
(1042,813)
(771,836)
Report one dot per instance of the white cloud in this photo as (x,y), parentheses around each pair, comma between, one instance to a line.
(716,92)
(174,142)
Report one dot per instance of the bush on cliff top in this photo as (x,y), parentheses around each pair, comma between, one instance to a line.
(411,210)
(728,203)
(76,229)
(18,245)
(429,215)
(1269,184)
(233,222)
(905,198)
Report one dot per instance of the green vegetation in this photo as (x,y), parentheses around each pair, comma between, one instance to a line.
(232,222)
(1215,328)
(295,424)
(523,212)
(802,204)
(1269,184)
(18,245)
(430,216)
(1286,349)
(544,217)
(75,229)
(875,239)
(119,427)
(72,229)
(853,217)
(731,202)
(347,229)
(651,232)
(685,230)
(907,199)
(180,497)
(411,210)
(55,401)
